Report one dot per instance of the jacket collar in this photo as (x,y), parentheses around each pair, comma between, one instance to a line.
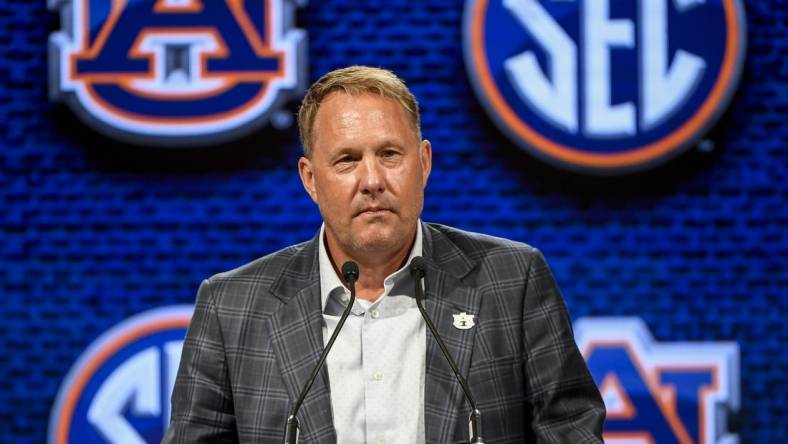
(441,254)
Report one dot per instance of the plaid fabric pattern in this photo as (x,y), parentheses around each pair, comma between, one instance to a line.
(256,334)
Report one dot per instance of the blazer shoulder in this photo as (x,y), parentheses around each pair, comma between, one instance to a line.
(266,265)
(234,287)
(480,247)
(479,259)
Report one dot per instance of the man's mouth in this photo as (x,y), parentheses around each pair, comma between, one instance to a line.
(373,210)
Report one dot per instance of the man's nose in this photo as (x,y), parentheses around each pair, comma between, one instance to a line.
(372,176)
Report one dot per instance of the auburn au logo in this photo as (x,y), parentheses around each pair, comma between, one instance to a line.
(176,72)
(604,86)
(661,393)
(119,390)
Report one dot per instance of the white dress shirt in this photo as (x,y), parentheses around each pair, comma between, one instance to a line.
(376,367)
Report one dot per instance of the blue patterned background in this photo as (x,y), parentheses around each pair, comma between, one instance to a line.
(94,231)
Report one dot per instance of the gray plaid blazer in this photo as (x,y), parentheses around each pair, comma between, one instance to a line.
(257,332)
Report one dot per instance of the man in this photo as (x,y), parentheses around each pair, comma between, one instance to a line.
(257,331)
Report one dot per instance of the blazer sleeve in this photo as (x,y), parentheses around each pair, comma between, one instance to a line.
(566,406)
(202,404)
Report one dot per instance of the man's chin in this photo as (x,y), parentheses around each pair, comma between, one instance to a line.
(379,236)
(377,244)
(377,240)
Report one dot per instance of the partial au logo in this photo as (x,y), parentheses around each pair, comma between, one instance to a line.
(119,389)
(604,86)
(681,392)
(176,72)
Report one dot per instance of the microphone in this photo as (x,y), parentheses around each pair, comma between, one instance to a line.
(418,270)
(292,428)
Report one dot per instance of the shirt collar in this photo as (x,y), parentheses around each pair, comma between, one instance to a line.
(329,281)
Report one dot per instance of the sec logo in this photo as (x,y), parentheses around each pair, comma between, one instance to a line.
(176,72)
(604,86)
(119,390)
(675,393)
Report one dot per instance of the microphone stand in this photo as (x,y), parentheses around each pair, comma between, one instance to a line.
(292,428)
(418,270)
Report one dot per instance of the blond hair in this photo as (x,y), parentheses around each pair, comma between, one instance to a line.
(354,80)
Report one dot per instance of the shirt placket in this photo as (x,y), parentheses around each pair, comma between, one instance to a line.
(376,383)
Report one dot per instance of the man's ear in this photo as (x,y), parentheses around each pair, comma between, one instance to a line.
(307,177)
(425,151)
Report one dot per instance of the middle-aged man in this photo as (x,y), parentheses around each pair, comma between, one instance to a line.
(257,331)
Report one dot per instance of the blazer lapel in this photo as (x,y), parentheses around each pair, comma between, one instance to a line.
(297,338)
(446,296)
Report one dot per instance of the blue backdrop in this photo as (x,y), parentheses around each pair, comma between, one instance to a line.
(94,231)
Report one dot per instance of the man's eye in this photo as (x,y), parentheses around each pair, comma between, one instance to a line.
(389,153)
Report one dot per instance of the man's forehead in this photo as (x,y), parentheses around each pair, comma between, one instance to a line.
(350,117)
(345,113)
(361,98)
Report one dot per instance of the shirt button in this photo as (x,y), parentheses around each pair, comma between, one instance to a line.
(381,440)
(377,376)
(375,313)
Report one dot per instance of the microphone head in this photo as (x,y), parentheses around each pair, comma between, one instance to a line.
(418,267)
(350,271)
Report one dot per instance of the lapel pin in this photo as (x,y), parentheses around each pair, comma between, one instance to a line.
(463,321)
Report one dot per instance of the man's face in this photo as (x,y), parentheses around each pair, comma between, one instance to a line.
(367,173)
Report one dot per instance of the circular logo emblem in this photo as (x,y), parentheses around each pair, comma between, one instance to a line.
(604,86)
(119,389)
